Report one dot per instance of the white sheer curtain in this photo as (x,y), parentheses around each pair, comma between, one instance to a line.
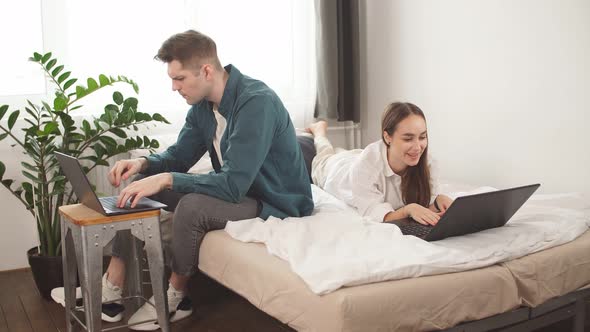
(19,39)
(268,40)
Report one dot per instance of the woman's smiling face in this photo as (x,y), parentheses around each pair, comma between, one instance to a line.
(407,143)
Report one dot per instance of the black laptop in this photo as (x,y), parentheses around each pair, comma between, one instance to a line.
(471,214)
(105,205)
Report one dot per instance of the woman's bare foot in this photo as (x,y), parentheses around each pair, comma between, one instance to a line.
(318,129)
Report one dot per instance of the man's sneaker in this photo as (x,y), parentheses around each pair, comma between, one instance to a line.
(111,312)
(180,307)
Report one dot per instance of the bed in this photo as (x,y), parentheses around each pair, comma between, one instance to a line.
(515,292)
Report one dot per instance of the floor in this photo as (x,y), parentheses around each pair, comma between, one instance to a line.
(24,310)
(216,309)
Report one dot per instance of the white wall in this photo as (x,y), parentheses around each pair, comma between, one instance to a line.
(505,85)
(19,230)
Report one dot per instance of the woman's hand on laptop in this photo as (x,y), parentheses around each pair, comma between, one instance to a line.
(421,214)
(143,188)
(443,202)
(123,169)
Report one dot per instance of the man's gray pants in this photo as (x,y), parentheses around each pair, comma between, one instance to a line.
(194,216)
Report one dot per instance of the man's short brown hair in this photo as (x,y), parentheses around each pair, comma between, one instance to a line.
(191,48)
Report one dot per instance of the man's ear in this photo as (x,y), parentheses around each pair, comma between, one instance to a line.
(208,71)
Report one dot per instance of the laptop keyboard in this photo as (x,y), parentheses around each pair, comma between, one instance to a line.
(415,229)
(110,203)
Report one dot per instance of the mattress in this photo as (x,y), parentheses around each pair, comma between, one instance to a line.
(553,272)
(416,304)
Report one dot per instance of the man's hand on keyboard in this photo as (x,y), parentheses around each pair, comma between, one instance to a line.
(123,169)
(144,188)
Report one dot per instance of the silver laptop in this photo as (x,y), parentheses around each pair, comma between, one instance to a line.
(105,205)
(472,213)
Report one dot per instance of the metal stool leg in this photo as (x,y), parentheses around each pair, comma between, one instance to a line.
(69,273)
(153,248)
(90,276)
(134,271)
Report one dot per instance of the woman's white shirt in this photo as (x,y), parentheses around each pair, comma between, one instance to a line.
(364,180)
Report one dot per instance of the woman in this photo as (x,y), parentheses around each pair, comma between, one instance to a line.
(390,179)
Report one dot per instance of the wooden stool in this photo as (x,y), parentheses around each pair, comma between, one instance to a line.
(84,233)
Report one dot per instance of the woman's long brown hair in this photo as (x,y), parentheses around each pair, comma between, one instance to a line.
(416,186)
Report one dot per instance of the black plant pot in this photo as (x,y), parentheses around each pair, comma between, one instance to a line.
(47,272)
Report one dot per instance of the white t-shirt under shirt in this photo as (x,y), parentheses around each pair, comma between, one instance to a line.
(221,124)
(364,180)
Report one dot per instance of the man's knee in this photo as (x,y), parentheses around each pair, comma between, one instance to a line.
(193,209)
(196,212)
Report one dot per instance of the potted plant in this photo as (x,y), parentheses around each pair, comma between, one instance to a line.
(51,127)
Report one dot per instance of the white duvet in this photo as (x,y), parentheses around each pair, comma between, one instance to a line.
(336,247)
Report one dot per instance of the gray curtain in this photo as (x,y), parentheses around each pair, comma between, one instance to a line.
(337,50)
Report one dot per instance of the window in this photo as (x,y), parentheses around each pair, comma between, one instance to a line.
(22,34)
(268,40)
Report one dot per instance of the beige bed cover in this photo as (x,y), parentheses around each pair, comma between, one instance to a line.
(416,304)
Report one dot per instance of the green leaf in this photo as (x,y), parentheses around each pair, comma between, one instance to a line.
(46,57)
(50,128)
(7,183)
(103,80)
(92,85)
(91,158)
(70,83)
(2,169)
(140,116)
(57,70)
(57,178)
(160,118)
(46,105)
(37,57)
(119,132)
(130,102)
(3,110)
(154,144)
(63,77)
(29,166)
(12,119)
(111,107)
(106,117)
(50,64)
(31,177)
(86,128)
(130,143)
(100,150)
(108,140)
(81,91)
(60,103)
(117,97)
(97,125)
(27,186)
(3,136)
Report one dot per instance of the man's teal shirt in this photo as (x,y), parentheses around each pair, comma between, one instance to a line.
(261,156)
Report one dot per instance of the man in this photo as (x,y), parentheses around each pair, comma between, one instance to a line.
(259,167)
